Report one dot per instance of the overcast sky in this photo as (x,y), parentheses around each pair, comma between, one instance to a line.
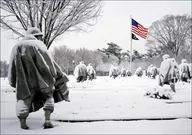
(113,26)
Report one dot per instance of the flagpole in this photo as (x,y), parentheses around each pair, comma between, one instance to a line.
(131,46)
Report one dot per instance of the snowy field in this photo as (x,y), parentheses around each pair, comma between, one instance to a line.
(106,106)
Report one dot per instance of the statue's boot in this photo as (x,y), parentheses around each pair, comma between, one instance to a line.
(47,124)
(23,123)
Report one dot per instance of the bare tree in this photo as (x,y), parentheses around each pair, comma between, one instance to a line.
(64,57)
(69,58)
(170,34)
(52,17)
(83,54)
(96,58)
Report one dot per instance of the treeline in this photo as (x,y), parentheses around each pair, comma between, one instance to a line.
(69,58)
(4,68)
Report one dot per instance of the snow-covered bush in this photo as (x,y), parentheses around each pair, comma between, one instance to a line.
(159,93)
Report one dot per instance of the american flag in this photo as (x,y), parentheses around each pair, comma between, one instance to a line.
(139,29)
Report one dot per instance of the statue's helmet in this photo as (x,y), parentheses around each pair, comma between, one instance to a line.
(34,31)
(166,56)
(184,61)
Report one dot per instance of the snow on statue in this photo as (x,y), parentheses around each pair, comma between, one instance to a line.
(184,71)
(91,72)
(168,72)
(123,72)
(113,72)
(139,72)
(152,71)
(80,72)
(128,72)
(35,74)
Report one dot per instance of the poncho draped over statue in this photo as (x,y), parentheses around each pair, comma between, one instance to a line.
(184,70)
(80,70)
(168,70)
(32,70)
(113,71)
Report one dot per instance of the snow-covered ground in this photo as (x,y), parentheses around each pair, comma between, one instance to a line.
(106,106)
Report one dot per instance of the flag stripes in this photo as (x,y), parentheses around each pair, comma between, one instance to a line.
(139,29)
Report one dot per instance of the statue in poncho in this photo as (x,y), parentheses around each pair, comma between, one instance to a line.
(38,80)
(139,72)
(113,72)
(80,72)
(184,71)
(168,73)
(91,72)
